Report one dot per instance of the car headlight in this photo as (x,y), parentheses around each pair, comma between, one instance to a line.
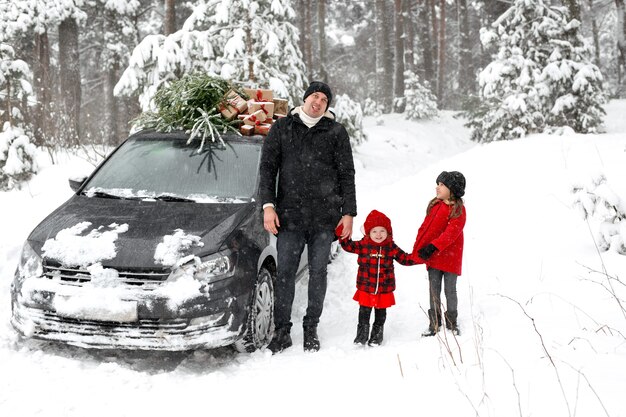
(214,267)
(30,264)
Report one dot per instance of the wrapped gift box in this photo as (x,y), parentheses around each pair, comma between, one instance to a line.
(228,112)
(255,118)
(232,105)
(262,129)
(236,101)
(266,106)
(259,94)
(247,130)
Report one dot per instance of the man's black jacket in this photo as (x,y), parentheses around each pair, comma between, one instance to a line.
(315,173)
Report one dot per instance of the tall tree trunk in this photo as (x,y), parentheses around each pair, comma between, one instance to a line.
(321,30)
(69,69)
(409,40)
(398,79)
(384,67)
(169,25)
(42,83)
(594,33)
(441,62)
(304,26)
(435,32)
(250,51)
(113,133)
(574,9)
(426,41)
(621,39)
(466,70)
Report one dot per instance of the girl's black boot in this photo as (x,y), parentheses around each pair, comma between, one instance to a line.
(376,338)
(362,332)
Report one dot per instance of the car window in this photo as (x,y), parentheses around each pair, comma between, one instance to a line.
(152,168)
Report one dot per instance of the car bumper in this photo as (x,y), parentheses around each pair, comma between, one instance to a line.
(207,321)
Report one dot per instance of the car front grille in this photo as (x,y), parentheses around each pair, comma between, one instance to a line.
(50,320)
(144,279)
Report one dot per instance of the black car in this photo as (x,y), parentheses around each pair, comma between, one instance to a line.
(162,248)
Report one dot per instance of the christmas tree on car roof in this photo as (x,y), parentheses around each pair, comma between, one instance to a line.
(207,106)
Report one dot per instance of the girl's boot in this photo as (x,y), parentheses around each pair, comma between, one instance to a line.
(376,338)
(451,323)
(434,323)
(363,329)
(362,332)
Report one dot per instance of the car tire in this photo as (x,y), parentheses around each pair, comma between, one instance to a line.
(260,321)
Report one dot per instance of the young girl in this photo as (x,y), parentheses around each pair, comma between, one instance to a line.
(439,244)
(375,280)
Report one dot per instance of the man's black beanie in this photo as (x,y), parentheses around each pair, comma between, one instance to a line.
(318,86)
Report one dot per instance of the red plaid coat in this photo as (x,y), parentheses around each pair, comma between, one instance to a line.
(376,274)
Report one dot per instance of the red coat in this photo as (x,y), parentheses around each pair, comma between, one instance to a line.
(376,274)
(446,234)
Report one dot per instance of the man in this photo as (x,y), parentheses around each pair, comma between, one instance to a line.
(310,153)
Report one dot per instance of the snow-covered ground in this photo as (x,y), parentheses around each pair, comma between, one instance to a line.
(542,334)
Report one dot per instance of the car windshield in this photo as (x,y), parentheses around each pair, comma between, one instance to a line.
(170,170)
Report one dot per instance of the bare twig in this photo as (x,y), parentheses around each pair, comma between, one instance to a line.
(580,374)
(545,349)
(605,273)
(519,399)
(400,365)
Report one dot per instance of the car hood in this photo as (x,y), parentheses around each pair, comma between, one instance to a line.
(149,223)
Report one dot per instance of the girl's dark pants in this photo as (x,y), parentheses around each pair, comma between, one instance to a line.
(435,278)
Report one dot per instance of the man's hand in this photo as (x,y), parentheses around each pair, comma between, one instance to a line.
(346,223)
(270,220)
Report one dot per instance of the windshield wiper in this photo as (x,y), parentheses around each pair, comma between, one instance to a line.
(174,198)
(102,194)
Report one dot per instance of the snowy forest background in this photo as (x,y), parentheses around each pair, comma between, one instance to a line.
(75,73)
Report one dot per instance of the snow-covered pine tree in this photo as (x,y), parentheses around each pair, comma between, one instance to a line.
(420,102)
(574,83)
(602,207)
(350,114)
(17,153)
(540,77)
(15,86)
(251,42)
(17,157)
(371,108)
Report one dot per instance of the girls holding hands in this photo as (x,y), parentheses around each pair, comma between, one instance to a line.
(439,245)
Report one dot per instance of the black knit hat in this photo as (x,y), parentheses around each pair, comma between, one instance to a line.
(454,180)
(318,86)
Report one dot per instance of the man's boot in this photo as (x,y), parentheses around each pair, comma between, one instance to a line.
(451,323)
(362,332)
(434,323)
(281,340)
(311,341)
(376,338)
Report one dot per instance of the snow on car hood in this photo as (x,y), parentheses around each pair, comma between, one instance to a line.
(139,227)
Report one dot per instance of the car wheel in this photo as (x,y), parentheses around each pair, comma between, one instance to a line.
(261,316)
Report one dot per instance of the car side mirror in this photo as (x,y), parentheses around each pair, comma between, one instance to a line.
(77,182)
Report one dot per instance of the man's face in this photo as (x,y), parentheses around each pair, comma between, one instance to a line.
(315,104)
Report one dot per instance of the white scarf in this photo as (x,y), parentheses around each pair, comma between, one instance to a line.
(306,119)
